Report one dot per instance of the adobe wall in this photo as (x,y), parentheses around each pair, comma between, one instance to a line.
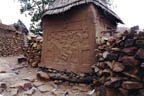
(102,22)
(11,43)
(69,40)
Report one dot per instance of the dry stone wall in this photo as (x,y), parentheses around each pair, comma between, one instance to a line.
(11,43)
(120,63)
(34,49)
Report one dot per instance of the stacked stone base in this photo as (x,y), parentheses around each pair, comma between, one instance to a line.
(11,43)
(119,67)
(120,63)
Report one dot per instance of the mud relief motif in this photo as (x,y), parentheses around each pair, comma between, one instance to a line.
(66,47)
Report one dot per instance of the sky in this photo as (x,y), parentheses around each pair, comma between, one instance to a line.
(10,12)
(130,11)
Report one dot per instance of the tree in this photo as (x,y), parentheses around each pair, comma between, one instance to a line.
(35,8)
(108,2)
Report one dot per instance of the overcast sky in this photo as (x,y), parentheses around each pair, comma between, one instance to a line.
(10,12)
(130,11)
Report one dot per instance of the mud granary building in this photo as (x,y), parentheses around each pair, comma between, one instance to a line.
(70,29)
(11,42)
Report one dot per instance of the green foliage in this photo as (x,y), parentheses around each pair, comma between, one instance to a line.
(35,9)
(108,2)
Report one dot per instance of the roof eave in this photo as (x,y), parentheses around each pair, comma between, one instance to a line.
(62,9)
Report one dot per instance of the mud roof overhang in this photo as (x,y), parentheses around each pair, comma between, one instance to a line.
(60,6)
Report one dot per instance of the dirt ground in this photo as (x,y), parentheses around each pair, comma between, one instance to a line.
(20,80)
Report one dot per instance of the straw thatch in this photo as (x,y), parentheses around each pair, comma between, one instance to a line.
(60,6)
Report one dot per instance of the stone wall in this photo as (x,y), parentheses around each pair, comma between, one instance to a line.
(120,64)
(11,43)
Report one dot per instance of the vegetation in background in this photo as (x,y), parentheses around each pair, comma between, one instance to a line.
(35,9)
(108,2)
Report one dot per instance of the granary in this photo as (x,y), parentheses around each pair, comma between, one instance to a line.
(11,42)
(70,28)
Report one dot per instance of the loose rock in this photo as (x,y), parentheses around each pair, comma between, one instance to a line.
(129,60)
(43,75)
(140,54)
(117,67)
(132,85)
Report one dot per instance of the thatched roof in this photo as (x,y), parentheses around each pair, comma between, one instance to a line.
(60,6)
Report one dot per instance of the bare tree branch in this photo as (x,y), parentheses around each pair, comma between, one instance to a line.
(37,6)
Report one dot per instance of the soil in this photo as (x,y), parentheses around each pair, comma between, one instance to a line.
(20,80)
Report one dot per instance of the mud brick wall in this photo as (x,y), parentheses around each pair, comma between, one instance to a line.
(11,43)
(69,39)
(102,22)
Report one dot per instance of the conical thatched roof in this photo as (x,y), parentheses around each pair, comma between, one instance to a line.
(60,6)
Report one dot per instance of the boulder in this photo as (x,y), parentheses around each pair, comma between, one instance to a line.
(129,60)
(129,51)
(132,85)
(43,75)
(118,67)
(129,42)
(112,56)
(140,43)
(140,54)
(124,92)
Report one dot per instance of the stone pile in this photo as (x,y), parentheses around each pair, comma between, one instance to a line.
(62,76)
(33,51)
(11,44)
(120,63)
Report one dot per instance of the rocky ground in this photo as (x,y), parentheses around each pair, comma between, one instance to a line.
(118,71)
(119,65)
(21,80)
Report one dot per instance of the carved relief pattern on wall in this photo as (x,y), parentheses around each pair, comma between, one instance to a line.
(66,47)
